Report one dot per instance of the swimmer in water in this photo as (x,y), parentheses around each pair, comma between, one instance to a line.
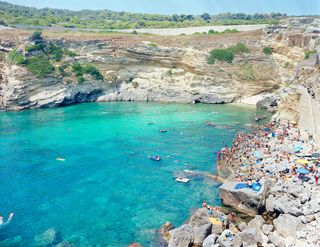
(2,224)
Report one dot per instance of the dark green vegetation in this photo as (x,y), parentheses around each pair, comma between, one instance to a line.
(212,32)
(308,53)
(39,66)
(88,69)
(41,56)
(15,57)
(227,54)
(267,51)
(106,19)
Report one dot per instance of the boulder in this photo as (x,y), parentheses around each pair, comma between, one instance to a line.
(284,204)
(164,231)
(242,225)
(287,225)
(181,236)
(276,239)
(199,218)
(216,229)
(267,102)
(210,240)
(243,200)
(235,241)
(267,229)
(49,237)
(250,236)
(257,222)
(200,233)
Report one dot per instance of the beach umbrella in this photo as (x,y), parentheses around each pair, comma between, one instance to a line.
(297,149)
(303,161)
(266,129)
(257,154)
(302,171)
(315,155)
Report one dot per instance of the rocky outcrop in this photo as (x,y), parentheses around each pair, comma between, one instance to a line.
(243,200)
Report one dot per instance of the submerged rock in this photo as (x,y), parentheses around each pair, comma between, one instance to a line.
(49,237)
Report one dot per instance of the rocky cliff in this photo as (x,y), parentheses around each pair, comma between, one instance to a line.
(135,69)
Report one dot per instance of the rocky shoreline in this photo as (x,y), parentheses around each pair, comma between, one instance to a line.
(285,210)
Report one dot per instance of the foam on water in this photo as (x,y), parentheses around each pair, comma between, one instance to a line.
(107,192)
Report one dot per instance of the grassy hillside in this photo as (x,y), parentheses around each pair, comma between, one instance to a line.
(11,14)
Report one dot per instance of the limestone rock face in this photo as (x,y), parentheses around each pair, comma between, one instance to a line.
(138,72)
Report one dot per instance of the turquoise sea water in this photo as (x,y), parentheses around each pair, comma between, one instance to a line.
(107,192)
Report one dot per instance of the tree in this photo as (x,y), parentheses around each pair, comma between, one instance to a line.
(206,17)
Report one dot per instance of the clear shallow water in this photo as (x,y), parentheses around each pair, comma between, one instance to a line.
(107,193)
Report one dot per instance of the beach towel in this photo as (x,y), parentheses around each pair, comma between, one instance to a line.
(241,186)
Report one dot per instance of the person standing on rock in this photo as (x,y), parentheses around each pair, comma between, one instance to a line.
(3,224)
(316,177)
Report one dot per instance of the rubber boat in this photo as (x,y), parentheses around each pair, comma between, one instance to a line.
(61,159)
(182,180)
(163,131)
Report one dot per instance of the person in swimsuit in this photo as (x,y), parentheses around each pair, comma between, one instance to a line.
(2,224)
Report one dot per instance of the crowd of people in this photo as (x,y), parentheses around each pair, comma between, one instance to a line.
(276,151)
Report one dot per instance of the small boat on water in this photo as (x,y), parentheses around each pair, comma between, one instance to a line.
(155,158)
(182,180)
(163,131)
(61,159)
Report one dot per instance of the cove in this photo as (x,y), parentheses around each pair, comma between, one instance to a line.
(107,192)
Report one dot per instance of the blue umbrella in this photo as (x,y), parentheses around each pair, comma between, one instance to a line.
(315,155)
(257,154)
(266,129)
(297,149)
(302,171)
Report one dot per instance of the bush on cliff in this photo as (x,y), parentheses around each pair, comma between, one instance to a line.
(89,69)
(32,48)
(39,66)
(239,48)
(220,54)
(227,54)
(267,50)
(93,71)
(15,57)
(77,69)
(307,54)
(54,52)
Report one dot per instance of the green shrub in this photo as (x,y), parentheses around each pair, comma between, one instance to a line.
(54,52)
(15,57)
(39,66)
(77,69)
(80,79)
(239,48)
(267,50)
(230,31)
(153,45)
(36,37)
(307,54)
(220,54)
(211,31)
(31,48)
(69,53)
(93,71)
